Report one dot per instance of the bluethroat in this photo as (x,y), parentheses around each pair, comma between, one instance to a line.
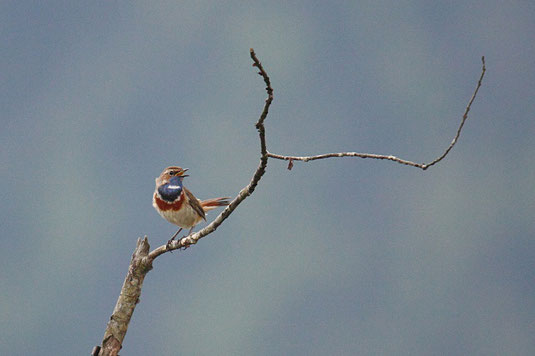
(177,204)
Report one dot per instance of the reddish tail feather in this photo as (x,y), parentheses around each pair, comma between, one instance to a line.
(210,204)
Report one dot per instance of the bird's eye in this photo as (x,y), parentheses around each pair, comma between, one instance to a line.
(173,173)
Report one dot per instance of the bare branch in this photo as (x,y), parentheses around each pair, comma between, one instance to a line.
(342,154)
(142,260)
(423,166)
(126,303)
(465,116)
(245,192)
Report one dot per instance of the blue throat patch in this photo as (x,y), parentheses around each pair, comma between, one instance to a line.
(171,191)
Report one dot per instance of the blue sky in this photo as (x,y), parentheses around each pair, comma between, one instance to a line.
(340,256)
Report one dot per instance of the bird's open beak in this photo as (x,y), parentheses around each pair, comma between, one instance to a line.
(184,171)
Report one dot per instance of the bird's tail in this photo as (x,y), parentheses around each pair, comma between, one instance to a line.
(210,204)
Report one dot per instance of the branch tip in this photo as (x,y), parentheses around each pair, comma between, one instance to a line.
(423,166)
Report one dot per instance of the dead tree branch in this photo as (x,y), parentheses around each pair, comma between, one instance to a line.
(423,166)
(126,303)
(142,259)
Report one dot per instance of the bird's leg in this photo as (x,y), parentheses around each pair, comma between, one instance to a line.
(172,238)
(176,233)
(189,232)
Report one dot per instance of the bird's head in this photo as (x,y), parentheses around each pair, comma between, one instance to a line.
(170,172)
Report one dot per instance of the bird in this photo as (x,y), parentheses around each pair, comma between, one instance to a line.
(176,204)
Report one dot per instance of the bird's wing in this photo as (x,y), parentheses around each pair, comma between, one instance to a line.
(195,204)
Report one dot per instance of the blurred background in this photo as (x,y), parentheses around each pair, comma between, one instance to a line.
(339,256)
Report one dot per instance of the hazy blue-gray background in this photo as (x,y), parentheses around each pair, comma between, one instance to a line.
(340,256)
